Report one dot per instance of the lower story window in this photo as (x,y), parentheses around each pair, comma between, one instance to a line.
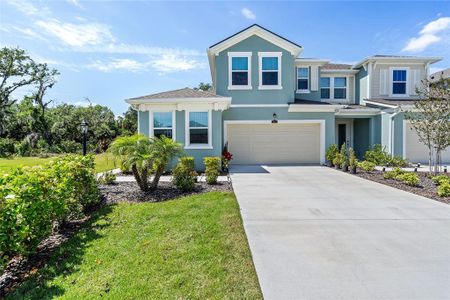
(198,128)
(162,124)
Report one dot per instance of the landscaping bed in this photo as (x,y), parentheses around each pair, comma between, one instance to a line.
(426,186)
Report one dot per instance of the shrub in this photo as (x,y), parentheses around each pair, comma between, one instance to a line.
(6,147)
(337,160)
(184,175)
(377,155)
(107,177)
(212,167)
(331,152)
(366,166)
(344,156)
(397,161)
(440,179)
(411,179)
(352,161)
(22,148)
(444,189)
(33,198)
(393,174)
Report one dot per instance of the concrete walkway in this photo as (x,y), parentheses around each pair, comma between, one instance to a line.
(318,233)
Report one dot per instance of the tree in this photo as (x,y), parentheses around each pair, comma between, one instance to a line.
(128,122)
(430,118)
(204,86)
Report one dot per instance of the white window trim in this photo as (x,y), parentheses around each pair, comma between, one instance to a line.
(230,70)
(391,81)
(332,89)
(303,91)
(152,129)
(260,57)
(187,128)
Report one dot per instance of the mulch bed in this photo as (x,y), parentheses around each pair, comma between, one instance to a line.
(426,187)
(20,268)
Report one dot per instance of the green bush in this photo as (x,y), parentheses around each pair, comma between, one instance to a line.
(352,160)
(22,148)
(331,152)
(184,175)
(397,161)
(366,166)
(440,179)
(107,177)
(411,179)
(344,156)
(337,160)
(377,155)
(33,198)
(444,189)
(212,167)
(6,147)
(394,173)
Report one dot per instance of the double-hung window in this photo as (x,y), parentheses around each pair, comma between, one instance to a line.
(399,82)
(198,128)
(325,87)
(163,124)
(269,70)
(302,79)
(340,88)
(239,73)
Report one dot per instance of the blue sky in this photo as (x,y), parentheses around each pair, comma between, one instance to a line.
(110,51)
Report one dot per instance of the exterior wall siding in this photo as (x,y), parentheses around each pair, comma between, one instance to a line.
(360,86)
(256,44)
(144,124)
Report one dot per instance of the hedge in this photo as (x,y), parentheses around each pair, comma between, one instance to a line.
(32,199)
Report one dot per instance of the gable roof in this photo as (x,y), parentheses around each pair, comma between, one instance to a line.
(397,58)
(260,31)
(184,93)
(336,67)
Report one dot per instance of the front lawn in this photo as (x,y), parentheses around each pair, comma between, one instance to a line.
(103,162)
(190,248)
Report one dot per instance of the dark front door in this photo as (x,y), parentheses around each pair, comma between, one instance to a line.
(342,134)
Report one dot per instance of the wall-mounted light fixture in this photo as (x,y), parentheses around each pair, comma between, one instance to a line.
(274,118)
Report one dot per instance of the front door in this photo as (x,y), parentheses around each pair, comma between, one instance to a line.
(342,135)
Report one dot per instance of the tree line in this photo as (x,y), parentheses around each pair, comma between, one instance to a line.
(35,124)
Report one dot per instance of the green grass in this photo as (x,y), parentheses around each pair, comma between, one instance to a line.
(189,248)
(103,162)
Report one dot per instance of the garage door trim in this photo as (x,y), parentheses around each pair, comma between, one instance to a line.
(320,122)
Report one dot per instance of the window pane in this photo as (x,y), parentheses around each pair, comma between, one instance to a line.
(340,82)
(270,63)
(302,84)
(162,119)
(399,75)
(325,93)
(302,72)
(160,132)
(399,88)
(198,136)
(325,81)
(269,78)
(340,93)
(239,63)
(239,78)
(198,119)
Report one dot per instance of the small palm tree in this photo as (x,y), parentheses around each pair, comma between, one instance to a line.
(163,151)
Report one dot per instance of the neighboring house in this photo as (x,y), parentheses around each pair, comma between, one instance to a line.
(443,74)
(269,105)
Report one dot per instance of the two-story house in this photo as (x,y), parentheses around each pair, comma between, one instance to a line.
(269,105)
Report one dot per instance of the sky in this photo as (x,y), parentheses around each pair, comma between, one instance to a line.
(108,51)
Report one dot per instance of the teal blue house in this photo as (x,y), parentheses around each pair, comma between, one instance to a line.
(270,105)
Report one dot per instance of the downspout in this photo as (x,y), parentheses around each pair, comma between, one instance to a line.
(392,131)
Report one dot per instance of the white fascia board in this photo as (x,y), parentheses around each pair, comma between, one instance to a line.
(221,103)
(380,104)
(358,112)
(318,62)
(337,71)
(256,30)
(314,108)
(431,60)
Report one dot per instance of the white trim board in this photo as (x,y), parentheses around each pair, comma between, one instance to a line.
(187,131)
(151,132)
(257,105)
(247,55)
(265,122)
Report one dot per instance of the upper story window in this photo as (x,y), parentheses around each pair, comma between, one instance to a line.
(399,82)
(302,79)
(239,70)
(163,124)
(269,70)
(198,129)
(333,88)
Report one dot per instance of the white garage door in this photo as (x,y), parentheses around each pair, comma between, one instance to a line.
(417,152)
(274,143)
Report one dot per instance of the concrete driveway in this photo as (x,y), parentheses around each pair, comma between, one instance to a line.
(318,233)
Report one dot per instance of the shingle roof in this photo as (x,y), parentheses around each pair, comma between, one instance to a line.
(394,102)
(180,93)
(336,67)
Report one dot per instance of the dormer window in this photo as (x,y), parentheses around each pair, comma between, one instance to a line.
(239,70)
(269,70)
(399,82)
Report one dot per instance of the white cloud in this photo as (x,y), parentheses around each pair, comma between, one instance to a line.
(84,103)
(75,3)
(248,13)
(28,32)
(118,64)
(172,63)
(432,33)
(77,35)
(24,6)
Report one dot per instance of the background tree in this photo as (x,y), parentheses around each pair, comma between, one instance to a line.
(430,118)
(204,86)
(127,124)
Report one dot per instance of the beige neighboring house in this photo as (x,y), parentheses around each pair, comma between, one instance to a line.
(440,74)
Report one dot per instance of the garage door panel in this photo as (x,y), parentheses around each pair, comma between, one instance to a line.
(274,143)
(416,151)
